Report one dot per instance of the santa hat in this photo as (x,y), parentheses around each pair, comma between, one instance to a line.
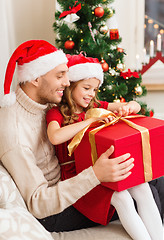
(81,67)
(34,58)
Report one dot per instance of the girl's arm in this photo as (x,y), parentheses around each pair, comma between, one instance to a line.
(124,109)
(58,135)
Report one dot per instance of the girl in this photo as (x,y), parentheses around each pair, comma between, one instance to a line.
(66,120)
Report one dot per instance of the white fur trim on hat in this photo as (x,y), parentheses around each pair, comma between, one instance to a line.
(40,66)
(85,70)
(8,99)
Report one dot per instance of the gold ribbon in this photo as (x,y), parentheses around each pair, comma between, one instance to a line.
(100,124)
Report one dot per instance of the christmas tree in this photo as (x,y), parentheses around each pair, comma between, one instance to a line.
(90,27)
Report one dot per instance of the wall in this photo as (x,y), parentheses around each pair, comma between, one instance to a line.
(22,20)
(33,19)
(155,100)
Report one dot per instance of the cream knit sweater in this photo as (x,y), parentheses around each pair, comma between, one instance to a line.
(30,159)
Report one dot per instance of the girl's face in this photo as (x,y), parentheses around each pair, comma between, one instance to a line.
(84,92)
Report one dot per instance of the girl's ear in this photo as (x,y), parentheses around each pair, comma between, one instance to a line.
(35,82)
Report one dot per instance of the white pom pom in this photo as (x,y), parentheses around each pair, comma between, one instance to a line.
(8,99)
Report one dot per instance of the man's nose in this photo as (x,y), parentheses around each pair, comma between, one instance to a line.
(66,81)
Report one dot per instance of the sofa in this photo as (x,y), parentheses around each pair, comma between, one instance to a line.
(17,223)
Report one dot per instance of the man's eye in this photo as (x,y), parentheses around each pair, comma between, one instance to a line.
(59,76)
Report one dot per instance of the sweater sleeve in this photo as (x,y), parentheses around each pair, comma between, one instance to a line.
(43,200)
(104,104)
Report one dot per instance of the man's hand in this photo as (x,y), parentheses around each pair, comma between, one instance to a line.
(113,169)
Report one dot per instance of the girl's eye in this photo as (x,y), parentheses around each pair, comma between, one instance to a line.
(86,88)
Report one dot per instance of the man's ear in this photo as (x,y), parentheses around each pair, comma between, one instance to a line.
(35,82)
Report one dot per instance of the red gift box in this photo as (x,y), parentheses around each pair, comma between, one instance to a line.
(114,34)
(126,140)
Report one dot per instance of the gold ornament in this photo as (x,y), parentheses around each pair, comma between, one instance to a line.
(103,29)
(138,90)
(120,66)
(110,12)
(82,40)
(116,99)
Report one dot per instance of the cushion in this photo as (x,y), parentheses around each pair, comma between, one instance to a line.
(113,231)
(9,194)
(17,223)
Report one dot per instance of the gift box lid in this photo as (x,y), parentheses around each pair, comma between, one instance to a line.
(124,134)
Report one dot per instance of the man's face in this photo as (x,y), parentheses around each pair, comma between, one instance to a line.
(52,84)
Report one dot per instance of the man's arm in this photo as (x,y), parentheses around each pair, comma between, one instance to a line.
(43,200)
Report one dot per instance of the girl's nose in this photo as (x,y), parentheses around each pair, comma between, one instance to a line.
(92,93)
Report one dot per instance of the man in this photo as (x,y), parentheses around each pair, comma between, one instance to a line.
(25,150)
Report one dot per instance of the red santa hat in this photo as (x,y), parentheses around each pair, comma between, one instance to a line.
(34,58)
(81,67)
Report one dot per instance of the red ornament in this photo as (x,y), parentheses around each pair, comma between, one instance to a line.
(114,34)
(69,44)
(99,12)
(122,100)
(104,65)
(151,113)
(121,50)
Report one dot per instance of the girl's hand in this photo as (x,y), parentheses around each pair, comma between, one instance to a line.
(129,108)
(101,119)
(108,119)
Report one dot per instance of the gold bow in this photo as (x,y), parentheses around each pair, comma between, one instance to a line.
(99,124)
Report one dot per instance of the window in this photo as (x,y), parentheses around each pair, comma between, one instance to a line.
(154,24)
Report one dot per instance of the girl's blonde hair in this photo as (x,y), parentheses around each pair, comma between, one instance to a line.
(68,106)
